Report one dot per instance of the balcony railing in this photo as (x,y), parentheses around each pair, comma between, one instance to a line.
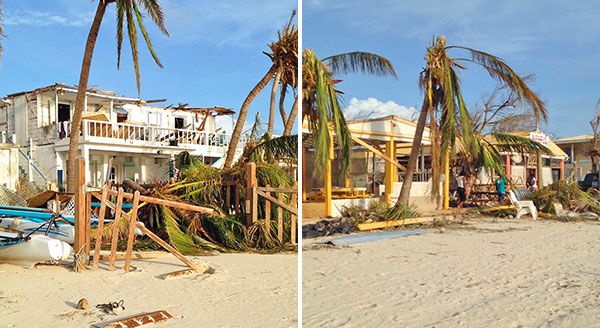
(153,136)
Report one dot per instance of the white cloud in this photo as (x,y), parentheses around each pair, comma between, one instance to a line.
(374,108)
(39,18)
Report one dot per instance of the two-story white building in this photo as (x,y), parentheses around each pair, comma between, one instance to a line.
(121,137)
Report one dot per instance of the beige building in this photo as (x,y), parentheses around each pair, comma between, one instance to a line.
(577,147)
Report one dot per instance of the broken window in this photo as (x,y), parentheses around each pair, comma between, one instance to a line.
(64,113)
(179,122)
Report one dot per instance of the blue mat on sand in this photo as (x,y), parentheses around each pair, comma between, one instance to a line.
(368,237)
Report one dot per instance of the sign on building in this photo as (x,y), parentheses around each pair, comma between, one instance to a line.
(539,137)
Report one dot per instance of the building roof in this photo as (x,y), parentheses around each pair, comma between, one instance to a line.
(554,149)
(575,139)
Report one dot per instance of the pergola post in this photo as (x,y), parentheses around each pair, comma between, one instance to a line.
(328,211)
(390,171)
(562,168)
(303,173)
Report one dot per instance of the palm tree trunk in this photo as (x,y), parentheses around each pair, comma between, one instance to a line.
(414,155)
(291,119)
(237,131)
(81,90)
(281,102)
(273,98)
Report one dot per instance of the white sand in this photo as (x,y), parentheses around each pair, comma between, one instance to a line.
(545,276)
(246,290)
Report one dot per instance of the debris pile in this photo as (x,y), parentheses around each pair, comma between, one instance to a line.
(571,200)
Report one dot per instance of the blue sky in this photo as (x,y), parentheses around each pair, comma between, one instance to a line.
(213,56)
(558,41)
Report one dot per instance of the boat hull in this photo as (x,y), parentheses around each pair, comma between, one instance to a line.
(37,249)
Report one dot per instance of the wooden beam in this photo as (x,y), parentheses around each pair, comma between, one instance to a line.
(497,208)
(115,230)
(446,189)
(88,227)
(250,183)
(294,218)
(162,243)
(79,242)
(390,173)
(328,187)
(158,201)
(100,223)
(178,273)
(303,173)
(133,256)
(377,152)
(3,229)
(268,213)
(274,200)
(140,320)
(280,218)
(132,221)
(393,223)
(286,190)
(376,145)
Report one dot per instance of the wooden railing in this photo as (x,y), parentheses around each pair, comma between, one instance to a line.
(133,133)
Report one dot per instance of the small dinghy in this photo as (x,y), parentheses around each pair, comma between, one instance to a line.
(60,231)
(28,251)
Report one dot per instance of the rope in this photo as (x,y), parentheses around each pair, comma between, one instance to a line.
(111,307)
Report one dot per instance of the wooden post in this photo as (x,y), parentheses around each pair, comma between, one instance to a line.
(227,198)
(294,219)
(268,213)
(447,180)
(280,218)
(88,227)
(115,230)
(328,198)
(132,224)
(303,173)
(79,242)
(236,189)
(254,216)
(250,183)
(100,225)
(390,172)
(562,168)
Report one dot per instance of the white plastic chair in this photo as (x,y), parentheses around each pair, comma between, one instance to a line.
(522,206)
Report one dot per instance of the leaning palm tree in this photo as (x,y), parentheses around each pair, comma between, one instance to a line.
(443,99)
(127,10)
(320,100)
(282,52)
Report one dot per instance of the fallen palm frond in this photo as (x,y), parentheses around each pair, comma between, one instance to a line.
(569,195)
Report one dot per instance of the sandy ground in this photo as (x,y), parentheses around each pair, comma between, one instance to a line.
(246,290)
(505,274)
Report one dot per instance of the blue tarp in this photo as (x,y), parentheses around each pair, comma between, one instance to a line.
(367,237)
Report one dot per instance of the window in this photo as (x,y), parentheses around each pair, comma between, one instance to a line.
(64,112)
(46,112)
(179,122)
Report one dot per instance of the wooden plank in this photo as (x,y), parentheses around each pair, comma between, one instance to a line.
(377,152)
(132,224)
(282,204)
(286,190)
(103,199)
(144,256)
(115,230)
(250,183)
(497,208)
(3,229)
(393,223)
(268,213)
(162,243)
(88,227)
(293,219)
(79,242)
(280,218)
(153,200)
(178,273)
(254,206)
(140,320)
(236,190)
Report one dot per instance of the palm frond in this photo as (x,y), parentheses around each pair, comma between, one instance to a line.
(364,62)
(499,70)
(513,143)
(120,22)
(155,12)
(145,35)
(271,150)
(132,33)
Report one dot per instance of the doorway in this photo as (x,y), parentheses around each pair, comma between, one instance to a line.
(64,113)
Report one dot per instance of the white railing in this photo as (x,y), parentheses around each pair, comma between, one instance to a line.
(143,134)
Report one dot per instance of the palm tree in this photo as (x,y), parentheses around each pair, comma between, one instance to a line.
(127,10)
(320,102)
(283,53)
(443,98)
(1,32)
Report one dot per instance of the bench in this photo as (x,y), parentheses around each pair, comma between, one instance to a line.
(523,206)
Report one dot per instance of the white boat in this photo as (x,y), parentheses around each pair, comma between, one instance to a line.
(64,232)
(37,249)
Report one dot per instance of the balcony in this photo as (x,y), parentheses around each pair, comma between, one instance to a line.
(155,137)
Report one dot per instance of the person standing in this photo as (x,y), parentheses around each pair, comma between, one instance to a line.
(501,188)
(533,184)
(461,182)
